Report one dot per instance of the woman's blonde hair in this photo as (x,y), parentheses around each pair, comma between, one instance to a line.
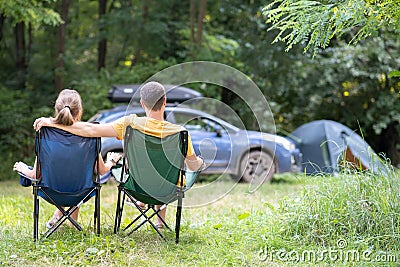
(68,107)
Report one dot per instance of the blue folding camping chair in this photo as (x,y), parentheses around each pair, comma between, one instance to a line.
(67,175)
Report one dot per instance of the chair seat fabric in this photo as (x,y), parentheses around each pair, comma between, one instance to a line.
(66,175)
(66,199)
(66,160)
(154,165)
(150,172)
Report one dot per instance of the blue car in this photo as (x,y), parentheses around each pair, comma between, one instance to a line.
(248,156)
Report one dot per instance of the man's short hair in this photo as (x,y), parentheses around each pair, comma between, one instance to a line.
(153,94)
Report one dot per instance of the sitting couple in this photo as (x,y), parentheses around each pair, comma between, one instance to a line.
(68,111)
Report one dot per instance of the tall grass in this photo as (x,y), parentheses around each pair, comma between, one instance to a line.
(293,213)
(361,208)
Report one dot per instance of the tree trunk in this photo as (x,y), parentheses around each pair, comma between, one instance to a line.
(102,45)
(30,40)
(192,19)
(112,6)
(59,72)
(227,96)
(202,13)
(135,57)
(20,53)
(2,19)
(145,16)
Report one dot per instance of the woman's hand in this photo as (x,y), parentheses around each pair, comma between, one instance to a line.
(21,167)
(40,122)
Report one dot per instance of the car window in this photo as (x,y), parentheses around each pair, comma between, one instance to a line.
(192,123)
(96,117)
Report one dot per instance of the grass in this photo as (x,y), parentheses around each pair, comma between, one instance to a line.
(355,214)
(280,224)
(218,229)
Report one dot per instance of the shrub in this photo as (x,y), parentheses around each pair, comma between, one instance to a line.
(362,208)
(17,136)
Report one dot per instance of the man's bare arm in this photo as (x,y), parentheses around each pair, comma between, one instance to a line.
(79,128)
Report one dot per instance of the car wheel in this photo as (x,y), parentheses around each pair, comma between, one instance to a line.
(256,167)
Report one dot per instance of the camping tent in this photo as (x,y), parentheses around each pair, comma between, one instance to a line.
(325,144)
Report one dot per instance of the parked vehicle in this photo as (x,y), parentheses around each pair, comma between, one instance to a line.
(248,156)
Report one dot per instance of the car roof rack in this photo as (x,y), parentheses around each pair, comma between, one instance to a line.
(123,93)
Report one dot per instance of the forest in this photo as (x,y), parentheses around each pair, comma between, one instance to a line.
(89,45)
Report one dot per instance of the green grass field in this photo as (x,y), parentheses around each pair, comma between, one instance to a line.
(294,221)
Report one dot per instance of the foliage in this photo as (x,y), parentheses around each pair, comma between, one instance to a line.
(144,37)
(370,92)
(35,12)
(361,208)
(355,79)
(316,23)
(94,90)
(16,133)
(216,48)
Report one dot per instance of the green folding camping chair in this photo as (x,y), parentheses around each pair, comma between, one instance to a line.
(151,168)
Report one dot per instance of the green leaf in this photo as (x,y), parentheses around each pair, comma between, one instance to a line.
(243,215)
(217,226)
(394,73)
(269,205)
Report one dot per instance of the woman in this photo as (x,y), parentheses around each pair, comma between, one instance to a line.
(68,109)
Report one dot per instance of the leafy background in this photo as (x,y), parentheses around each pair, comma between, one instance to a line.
(49,45)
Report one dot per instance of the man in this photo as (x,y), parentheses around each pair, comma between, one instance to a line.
(153,100)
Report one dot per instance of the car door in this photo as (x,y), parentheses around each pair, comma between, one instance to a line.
(209,138)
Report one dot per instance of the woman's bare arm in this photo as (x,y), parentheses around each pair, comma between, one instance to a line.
(79,128)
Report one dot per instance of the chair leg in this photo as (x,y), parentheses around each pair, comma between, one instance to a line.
(118,212)
(157,212)
(178,219)
(147,219)
(66,216)
(97,211)
(142,214)
(50,231)
(35,215)
(95,214)
(180,194)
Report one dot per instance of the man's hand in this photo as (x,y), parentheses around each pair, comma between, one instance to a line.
(113,157)
(40,122)
(195,163)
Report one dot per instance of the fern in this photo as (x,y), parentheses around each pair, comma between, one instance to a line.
(316,22)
